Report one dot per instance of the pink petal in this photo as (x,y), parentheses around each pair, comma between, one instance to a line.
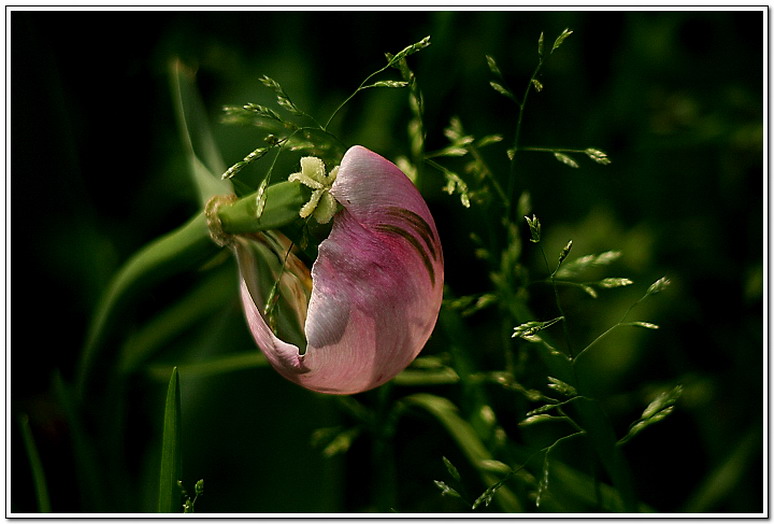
(377,284)
(260,258)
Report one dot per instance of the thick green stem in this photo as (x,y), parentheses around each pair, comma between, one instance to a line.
(281,202)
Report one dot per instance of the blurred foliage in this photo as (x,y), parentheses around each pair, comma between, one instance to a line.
(98,170)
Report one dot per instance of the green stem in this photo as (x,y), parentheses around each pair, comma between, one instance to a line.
(517,134)
(38,475)
(488,174)
(620,323)
(350,97)
(552,279)
(283,201)
(553,150)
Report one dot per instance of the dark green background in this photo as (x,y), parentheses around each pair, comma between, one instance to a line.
(97,170)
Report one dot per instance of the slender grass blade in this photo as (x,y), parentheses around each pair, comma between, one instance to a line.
(171,456)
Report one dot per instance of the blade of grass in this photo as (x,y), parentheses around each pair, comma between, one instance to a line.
(720,483)
(206,163)
(38,475)
(171,452)
(214,366)
(466,438)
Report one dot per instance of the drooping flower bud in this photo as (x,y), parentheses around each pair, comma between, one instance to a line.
(372,298)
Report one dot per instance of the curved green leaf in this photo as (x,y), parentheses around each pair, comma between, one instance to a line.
(185,248)
(206,163)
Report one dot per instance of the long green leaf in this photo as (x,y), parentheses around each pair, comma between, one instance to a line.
(215,366)
(205,161)
(171,453)
(466,438)
(38,475)
(185,248)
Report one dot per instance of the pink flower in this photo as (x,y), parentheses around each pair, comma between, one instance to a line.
(374,292)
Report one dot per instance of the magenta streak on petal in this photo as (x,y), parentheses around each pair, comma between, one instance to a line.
(377,284)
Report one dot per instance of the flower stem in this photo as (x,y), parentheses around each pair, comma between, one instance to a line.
(283,201)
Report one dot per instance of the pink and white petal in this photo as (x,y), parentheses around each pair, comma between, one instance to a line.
(377,284)
(255,280)
(377,280)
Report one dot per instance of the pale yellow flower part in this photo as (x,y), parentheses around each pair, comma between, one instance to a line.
(321,205)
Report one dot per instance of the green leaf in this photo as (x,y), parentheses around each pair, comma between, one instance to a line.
(387,83)
(540,417)
(446,489)
(531,328)
(260,198)
(38,474)
(252,114)
(534,228)
(183,249)
(409,50)
(336,440)
(646,325)
(561,387)
(656,411)
(171,468)
(488,140)
(658,286)
(543,483)
(254,155)
(470,304)
(206,163)
(612,282)
(560,39)
(565,252)
(598,156)
(566,159)
(721,482)
(283,100)
(426,377)
(540,45)
(468,441)
(493,67)
(501,89)
(215,366)
(455,184)
(586,262)
(453,472)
